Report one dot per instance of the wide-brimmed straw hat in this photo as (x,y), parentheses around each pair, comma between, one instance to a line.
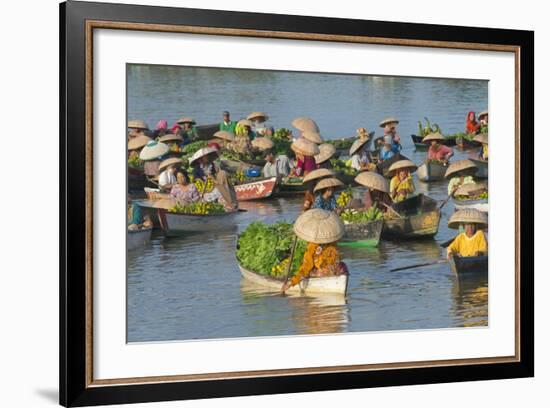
(460,166)
(402,165)
(483,113)
(186,120)
(433,136)
(137,124)
(388,120)
(225,135)
(328,182)
(171,137)
(358,144)
(256,115)
(304,123)
(262,143)
(138,142)
(318,174)
(169,162)
(373,180)
(312,136)
(205,151)
(468,216)
(245,122)
(305,147)
(326,151)
(153,150)
(482,138)
(469,188)
(319,226)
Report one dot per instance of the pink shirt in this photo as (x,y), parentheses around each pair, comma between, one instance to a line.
(305,166)
(439,154)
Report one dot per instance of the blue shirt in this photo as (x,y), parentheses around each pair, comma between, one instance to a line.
(323,204)
(386,154)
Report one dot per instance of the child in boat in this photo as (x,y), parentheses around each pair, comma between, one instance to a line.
(402,184)
(460,173)
(325,198)
(472,241)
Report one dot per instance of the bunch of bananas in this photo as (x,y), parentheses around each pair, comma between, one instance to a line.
(204,186)
(198,208)
(241,130)
(240,176)
(344,198)
(281,268)
(175,148)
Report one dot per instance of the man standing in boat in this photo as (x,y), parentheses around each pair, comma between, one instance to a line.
(227,124)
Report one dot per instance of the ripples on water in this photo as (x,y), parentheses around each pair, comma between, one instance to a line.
(190,287)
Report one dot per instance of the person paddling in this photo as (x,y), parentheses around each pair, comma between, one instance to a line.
(472,241)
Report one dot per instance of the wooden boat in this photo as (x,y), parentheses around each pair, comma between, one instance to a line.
(256,189)
(465,143)
(480,204)
(362,234)
(291,185)
(137,180)
(482,168)
(206,132)
(417,140)
(136,239)
(431,171)
(309,286)
(344,144)
(384,166)
(469,265)
(420,219)
(177,224)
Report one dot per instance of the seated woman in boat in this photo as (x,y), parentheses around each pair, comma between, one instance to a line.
(472,125)
(223,192)
(359,154)
(459,173)
(184,191)
(223,138)
(258,120)
(161,129)
(135,218)
(187,130)
(326,152)
(202,162)
(275,166)
(386,152)
(472,241)
(137,127)
(437,150)
(152,155)
(321,230)
(305,156)
(325,198)
(377,194)
(483,118)
(311,180)
(168,167)
(402,184)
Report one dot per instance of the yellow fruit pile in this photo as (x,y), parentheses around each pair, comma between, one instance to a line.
(204,186)
(344,198)
(281,268)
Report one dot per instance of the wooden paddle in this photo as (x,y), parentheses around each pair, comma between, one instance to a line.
(389,207)
(289,267)
(402,268)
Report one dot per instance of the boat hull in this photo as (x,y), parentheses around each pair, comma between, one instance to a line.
(469,265)
(431,172)
(482,168)
(310,286)
(417,140)
(364,234)
(178,224)
(256,190)
(420,219)
(480,205)
(137,239)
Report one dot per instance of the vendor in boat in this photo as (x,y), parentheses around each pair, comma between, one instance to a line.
(161,129)
(472,241)
(305,156)
(310,181)
(187,130)
(174,143)
(472,125)
(183,191)
(321,230)
(483,118)
(483,138)
(390,128)
(326,152)
(275,166)
(135,145)
(437,150)
(388,149)
(242,144)
(136,220)
(402,184)
(227,124)
(152,155)
(325,198)
(223,138)
(203,164)
(460,173)
(378,191)
(223,192)
(168,168)
(359,154)
(137,127)
(258,120)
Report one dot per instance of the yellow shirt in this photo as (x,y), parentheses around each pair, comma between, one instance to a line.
(397,185)
(465,246)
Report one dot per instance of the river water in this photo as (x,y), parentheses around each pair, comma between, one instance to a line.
(190,287)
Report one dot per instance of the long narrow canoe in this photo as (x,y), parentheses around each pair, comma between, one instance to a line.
(362,234)
(291,185)
(177,224)
(468,265)
(480,205)
(482,168)
(465,143)
(309,286)
(431,171)
(343,145)
(420,219)
(137,239)
(417,140)
(256,189)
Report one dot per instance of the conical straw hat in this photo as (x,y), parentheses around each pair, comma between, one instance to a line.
(433,136)
(328,182)
(305,147)
(326,151)
(245,122)
(319,226)
(357,145)
(202,152)
(459,166)
(468,216)
(262,143)
(304,123)
(225,135)
(318,174)
(138,142)
(312,136)
(373,181)
(169,162)
(388,120)
(170,137)
(482,138)
(402,164)
(482,113)
(186,120)
(137,124)
(153,150)
(469,188)
(259,116)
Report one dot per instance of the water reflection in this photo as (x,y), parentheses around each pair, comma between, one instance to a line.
(470,300)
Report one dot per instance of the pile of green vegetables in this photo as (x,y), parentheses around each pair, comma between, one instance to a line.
(135,162)
(232,155)
(342,166)
(425,130)
(190,149)
(481,196)
(263,247)
(351,216)
(435,161)
(281,141)
(342,143)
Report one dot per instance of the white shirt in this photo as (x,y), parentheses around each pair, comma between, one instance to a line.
(359,158)
(166,177)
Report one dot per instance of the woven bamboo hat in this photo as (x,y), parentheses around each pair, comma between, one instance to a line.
(358,144)
(482,138)
(326,151)
(153,150)
(259,116)
(205,151)
(304,123)
(312,136)
(388,121)
(433,136)
(318,174)
(245,122)
(137,124)
(183,120)
(138,142)
(262,143)
(402,165)
(169,162)
(373,181)
(482,113)
(170,137)
(319,226)
(469,188)
(460,166)
(225,135)
(305,147)
(468,216)
(328,182)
